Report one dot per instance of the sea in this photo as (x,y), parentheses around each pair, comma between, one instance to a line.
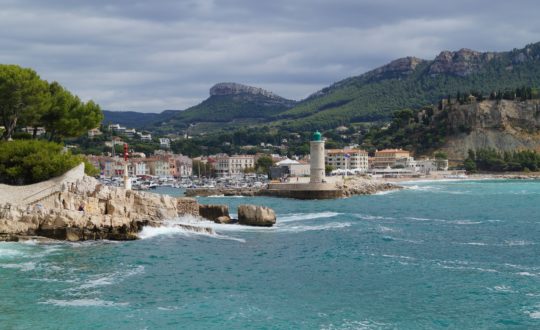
(436,255)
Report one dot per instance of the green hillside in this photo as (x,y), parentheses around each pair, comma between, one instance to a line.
(413,83)
(229,104)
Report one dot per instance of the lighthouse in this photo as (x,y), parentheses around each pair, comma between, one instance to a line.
(316,163)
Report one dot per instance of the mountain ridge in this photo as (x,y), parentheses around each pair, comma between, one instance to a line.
(407,82)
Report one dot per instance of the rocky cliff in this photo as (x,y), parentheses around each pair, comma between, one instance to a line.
(85,209)
(502,125)
(229,88)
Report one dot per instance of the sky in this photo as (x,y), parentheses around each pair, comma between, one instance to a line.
(150,56)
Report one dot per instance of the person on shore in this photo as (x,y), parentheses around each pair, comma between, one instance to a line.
(81,207)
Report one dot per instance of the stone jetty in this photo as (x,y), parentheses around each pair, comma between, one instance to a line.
(339,189)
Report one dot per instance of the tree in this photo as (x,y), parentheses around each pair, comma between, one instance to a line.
(67,115)
(30,161)
(440,155)
(23,95)
(263,164)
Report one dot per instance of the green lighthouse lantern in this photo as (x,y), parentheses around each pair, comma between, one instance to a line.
(317,136)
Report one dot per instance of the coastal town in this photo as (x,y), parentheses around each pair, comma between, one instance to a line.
(164,167)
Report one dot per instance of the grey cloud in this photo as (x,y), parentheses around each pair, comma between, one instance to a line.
(165,54)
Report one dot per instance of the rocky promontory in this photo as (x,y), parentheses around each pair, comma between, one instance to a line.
(77,207)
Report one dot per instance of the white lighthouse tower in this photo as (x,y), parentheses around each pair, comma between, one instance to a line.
(316,163)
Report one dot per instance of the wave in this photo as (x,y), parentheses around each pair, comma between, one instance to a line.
(534,315)
(351,324)
(518,243)
(109,279)
(328,226)
(83,303)
(526,274)
(174,227)
(474,243)
(463,222)
(24,267)
(502,288)
(371,217)
(306,216)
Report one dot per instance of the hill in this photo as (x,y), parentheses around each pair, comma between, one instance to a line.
(230,103)
(411,83)
(133,119)
(408,82)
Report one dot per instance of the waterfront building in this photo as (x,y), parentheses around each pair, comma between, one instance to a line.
(388,157)
(292,168)
(347,159)
(235,165)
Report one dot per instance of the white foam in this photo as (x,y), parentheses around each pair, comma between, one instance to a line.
(386,192)
(171,228)
(419,219)
(82,303)
(534,315)
(306,216)
(328,226)
(384,229)
(474,243)
(518,243)
(372,217)
(502,288)
(464,222)
(527,274)
(25,266)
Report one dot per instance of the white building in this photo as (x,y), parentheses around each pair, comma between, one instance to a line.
(347,159)
(295,168)
(145,137)
(165,143)
(233,165)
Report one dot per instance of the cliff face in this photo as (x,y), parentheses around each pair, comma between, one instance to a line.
(109,212)
(502,125)
(461,63)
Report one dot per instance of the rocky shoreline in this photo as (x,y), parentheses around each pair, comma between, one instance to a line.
(88,210)
(76,207)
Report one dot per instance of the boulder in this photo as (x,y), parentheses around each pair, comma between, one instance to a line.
(213,212)
(254,215)
(223,219)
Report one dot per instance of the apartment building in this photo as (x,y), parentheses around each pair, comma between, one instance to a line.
(389,158)
(233,165)
(347,159)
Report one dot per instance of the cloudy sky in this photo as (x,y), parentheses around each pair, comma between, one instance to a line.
(149,56)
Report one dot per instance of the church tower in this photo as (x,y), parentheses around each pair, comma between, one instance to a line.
(316,163)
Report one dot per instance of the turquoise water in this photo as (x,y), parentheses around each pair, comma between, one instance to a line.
(459,255)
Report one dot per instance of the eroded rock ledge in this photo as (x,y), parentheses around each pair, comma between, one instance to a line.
(88,210)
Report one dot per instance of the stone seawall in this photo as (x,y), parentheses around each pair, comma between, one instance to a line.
(351,186)
(29,194)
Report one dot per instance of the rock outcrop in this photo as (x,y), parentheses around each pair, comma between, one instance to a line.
(399,68)
(229,88)
(364,186)
(254,215)
(86,209)
(502,125)
(461,63)
(213,212)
